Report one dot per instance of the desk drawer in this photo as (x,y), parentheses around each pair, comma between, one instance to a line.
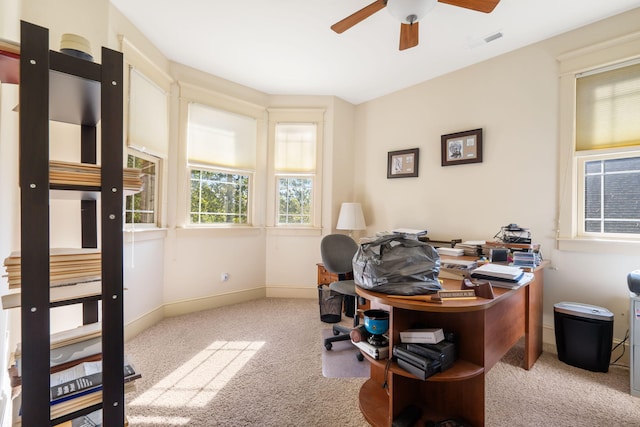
(325,277)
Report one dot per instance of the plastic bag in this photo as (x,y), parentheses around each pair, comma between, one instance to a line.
(397,265)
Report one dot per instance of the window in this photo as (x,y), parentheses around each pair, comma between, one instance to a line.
(295,163)
(295,200)
(611,201)
(607,143)
(599,139)
(294,193)
(221,156)
(141,208)
(218,197)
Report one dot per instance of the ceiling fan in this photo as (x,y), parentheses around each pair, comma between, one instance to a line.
(409,12)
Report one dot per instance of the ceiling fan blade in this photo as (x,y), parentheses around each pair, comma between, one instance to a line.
(485,6)
(358,16)
(408,35)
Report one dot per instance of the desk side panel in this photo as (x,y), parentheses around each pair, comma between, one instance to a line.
(533,326)
(505,325)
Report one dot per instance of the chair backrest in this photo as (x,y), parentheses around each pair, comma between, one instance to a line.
(337,251)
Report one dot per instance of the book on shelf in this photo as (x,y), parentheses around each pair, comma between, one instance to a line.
(93,419)
(92,397)
(73,381)
(66,266)
(87,174)
(67,346)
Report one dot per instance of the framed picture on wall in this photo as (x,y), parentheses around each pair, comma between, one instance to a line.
(402,163)
(462,147)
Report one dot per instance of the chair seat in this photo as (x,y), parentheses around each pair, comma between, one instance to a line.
(344,287)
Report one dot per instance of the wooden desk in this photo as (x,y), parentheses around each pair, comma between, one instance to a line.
(486,330)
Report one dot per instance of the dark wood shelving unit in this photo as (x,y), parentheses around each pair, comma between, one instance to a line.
(60,87)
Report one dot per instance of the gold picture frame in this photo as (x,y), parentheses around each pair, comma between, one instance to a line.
(402,163)
(462,147)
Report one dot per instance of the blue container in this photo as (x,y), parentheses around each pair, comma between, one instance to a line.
(376,322)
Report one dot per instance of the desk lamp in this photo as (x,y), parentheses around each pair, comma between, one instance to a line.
(351,218)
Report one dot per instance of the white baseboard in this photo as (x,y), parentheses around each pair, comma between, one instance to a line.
(147,320)
(292,292)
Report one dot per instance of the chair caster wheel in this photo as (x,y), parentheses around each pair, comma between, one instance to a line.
(360,357)
(328,346)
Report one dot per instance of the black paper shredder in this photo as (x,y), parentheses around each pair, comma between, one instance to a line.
(584,335)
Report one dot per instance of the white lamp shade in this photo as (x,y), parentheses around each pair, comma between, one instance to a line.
(351,217)
(403,10)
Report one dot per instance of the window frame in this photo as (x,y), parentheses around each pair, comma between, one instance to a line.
(148,67)
(568,235)
(295,116)
(157,191)
(190,93)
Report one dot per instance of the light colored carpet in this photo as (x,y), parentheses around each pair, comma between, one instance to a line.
(259,364)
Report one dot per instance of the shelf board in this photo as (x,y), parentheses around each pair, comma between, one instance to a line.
(374,403)
(74,100)
(61,295)
(460,371)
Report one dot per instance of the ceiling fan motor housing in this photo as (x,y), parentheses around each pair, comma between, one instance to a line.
(410,11)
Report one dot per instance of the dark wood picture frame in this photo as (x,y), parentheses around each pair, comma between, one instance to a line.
(462,147)
(402,163)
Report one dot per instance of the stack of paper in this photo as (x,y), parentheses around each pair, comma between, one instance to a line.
(498,272)
(86,174)
(457,269)
(471,247)
(66,266)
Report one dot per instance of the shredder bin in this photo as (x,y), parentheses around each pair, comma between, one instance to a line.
(584,335)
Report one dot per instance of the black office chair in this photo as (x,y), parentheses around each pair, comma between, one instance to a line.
(337,251)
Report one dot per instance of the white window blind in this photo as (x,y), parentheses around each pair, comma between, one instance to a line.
(148,115)
(608,109)
(220,138)
(295,147)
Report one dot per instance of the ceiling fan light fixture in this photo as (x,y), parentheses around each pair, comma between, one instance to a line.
(410,11)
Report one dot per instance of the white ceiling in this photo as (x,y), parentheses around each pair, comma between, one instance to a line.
(285,47)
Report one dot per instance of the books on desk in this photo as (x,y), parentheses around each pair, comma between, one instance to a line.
(502,276)
(457,269)
(494,271)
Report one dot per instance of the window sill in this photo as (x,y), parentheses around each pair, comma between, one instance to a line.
(600,246)
(142,234)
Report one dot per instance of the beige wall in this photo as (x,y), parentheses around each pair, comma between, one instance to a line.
(514,98)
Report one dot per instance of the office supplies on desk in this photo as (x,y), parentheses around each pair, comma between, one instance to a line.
(493,271)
